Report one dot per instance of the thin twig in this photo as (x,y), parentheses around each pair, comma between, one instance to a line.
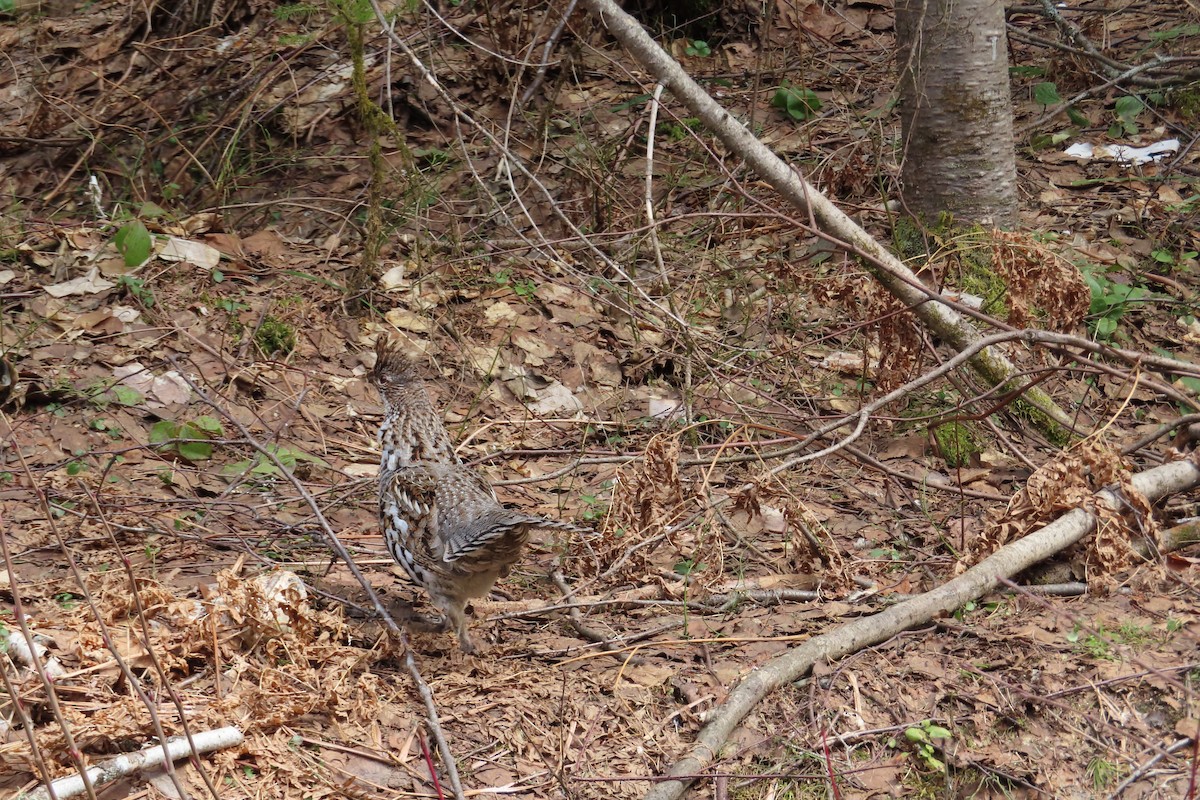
(551,41)
(1142,769)
(1085,94)
(651,136)
(432,718)
(147,643)
(21,707)
(589,633)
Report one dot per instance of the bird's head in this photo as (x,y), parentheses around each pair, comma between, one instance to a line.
(393,369)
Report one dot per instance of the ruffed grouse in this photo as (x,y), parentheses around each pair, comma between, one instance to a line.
(441,520)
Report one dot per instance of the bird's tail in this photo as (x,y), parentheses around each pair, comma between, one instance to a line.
(541,523)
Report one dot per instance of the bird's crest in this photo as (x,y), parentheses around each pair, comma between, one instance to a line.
(391,365)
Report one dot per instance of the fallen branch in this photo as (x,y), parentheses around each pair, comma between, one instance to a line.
(864,632)
(831,222)
(152,756)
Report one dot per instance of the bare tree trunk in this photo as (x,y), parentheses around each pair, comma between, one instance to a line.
(956,110)
(897,278)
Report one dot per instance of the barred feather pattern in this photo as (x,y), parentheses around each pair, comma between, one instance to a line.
(444,526)
(441,520)
(412,429)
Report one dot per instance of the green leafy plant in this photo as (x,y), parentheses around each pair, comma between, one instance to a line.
(1164,256)
(1185,100)
(1110,301)
(187,520)
(971,606)
(120,394)
(1102,773)
(522,287)
(1126,110)
(923,736)
(1133,634)
(1046,94)
(295,39)
(797,102)
(1094,645)
(59,508)
(677,132)
(152,550)
(698,47)
(136,288)
(230,306)
(290,11)
(275,337)
(595,507)
(1026,72)
(433,157)
(886,554)
(188,440)
(1170,34)
(133,242)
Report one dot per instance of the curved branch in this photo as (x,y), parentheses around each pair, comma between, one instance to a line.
(866,631)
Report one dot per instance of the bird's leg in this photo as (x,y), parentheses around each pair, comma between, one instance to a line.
(464,640)
(455,611)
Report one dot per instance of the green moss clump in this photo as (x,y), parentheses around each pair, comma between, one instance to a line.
(956,443)
(274,336)
(1057,434)
(908,240)
(978,278)
(1185,100)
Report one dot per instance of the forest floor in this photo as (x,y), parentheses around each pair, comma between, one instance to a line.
(177,426)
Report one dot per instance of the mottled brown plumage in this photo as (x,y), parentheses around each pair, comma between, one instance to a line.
(412,428)
(441,520)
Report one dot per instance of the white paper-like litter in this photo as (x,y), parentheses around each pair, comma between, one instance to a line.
(556,400)
(1125,154)
(157,391)
(664,408)
(393,279)
(91,283)
(126,313)
(198,253)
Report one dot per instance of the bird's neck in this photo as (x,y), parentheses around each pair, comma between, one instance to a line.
(413,431)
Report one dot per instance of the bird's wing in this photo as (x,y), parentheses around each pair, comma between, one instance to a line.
(543,524)
(474,526)
(496,535)
(408,506)
(450,514)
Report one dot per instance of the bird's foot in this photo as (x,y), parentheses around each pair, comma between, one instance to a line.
(426,623)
